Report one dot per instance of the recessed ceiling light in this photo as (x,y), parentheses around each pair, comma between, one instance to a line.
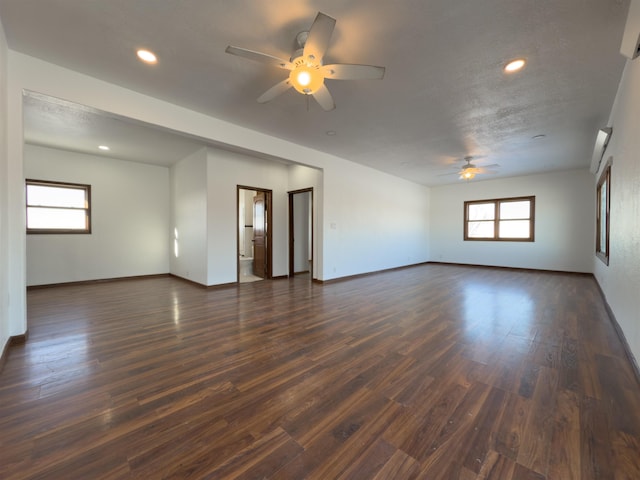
(514,65)
(147,56)
(103,147)
(331,133)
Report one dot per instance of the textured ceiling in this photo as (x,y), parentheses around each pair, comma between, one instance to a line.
(444,95)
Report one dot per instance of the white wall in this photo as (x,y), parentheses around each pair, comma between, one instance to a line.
(129,219)
(372,221)
(564,223)
(225,171)
(189,217)
(5,323)
(620,281)
(16,262)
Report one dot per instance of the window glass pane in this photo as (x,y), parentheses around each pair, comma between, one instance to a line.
(55,196)
(602,201)
(514,229)
(481,229)
(48,218)
(515,209)
(482,211)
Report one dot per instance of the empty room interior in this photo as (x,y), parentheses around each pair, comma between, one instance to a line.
(320,240)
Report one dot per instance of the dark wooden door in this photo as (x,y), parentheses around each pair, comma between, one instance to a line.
(259,235)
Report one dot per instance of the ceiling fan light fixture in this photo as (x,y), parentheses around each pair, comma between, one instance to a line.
(306,79)
(467,175)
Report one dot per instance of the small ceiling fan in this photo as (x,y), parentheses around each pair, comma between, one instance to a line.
(468,171)
(307,72)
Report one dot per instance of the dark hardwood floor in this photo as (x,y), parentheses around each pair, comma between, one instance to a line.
(431,372)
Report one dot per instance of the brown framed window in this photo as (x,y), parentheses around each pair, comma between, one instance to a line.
(58,207)
(603,198)
(502,219)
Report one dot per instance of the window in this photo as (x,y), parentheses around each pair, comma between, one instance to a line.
(505,219)
(603,196)
(55,207)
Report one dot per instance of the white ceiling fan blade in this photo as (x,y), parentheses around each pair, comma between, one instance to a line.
(273,92)
(485,171)
(319,36)
(345,71)
(324,98)
(260,57)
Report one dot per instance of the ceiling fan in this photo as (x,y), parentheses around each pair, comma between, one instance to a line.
(468,171)
(307,73)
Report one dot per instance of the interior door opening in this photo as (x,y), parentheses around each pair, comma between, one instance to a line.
(254,234)
(301,232)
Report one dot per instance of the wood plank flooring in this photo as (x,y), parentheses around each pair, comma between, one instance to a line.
(431,372)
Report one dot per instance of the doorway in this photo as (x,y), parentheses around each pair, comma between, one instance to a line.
(301,232)
(254,252)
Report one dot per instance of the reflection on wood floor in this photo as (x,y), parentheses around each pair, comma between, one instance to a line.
(249,278)
(436,371)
